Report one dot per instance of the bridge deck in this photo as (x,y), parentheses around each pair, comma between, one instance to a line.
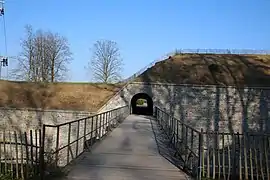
(129,152)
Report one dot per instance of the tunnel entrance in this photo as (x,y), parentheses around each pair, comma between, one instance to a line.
(142,104)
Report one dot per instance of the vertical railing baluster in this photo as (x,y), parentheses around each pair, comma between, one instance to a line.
(92,129)
(57,144)
(99,127)
(84,131)
(96,127)
(200,156)
(68,143)
(77,136)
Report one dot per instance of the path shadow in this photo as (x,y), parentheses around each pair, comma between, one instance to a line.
(165,148)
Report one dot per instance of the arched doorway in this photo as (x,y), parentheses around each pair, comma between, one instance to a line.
(142,104)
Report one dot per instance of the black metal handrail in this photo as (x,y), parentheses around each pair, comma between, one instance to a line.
(217,154)
(72,137)
(186,140)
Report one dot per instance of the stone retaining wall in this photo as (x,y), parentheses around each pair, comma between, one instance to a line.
(226,109)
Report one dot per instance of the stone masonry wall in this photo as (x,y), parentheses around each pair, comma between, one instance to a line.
(208,107)
(226,109)
(24,120)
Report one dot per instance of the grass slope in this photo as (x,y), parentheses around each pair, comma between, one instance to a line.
(200,69)
(211,69)
(68,96)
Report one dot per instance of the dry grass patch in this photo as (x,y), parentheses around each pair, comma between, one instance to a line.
(209,69)
(68,96)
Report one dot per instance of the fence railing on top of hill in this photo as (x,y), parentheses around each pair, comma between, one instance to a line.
(201,51)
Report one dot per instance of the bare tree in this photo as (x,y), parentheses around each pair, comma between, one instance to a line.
(25,59)
(44,57)
(59,55)
(106,63)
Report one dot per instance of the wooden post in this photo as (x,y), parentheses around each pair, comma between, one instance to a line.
(5,152)
(266,156)
(199,172)
(245,155)
(11,151)
(251,145)
(36,149)
(229,155)
(17,154)
(22,157)
(27,156)
(41,152)
(32,151)
(234,161)
(223,157)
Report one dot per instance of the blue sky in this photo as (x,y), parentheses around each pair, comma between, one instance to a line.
(144,30)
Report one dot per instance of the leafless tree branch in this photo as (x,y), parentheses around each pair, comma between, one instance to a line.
(106,63)
(44,57)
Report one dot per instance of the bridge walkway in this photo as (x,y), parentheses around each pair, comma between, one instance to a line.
(129,152)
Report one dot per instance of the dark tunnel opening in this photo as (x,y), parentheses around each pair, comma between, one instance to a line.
(142,104)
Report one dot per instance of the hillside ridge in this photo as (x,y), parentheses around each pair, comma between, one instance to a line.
(62,96)
(211,69)
(200,69)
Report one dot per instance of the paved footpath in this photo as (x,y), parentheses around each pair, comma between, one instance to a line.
(129,152)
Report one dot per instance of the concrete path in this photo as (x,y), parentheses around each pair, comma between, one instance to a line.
(129,152)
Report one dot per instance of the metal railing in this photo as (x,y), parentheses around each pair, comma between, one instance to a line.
(63,143)
(19,154)
(186,140)
(217,155)
(32,154)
